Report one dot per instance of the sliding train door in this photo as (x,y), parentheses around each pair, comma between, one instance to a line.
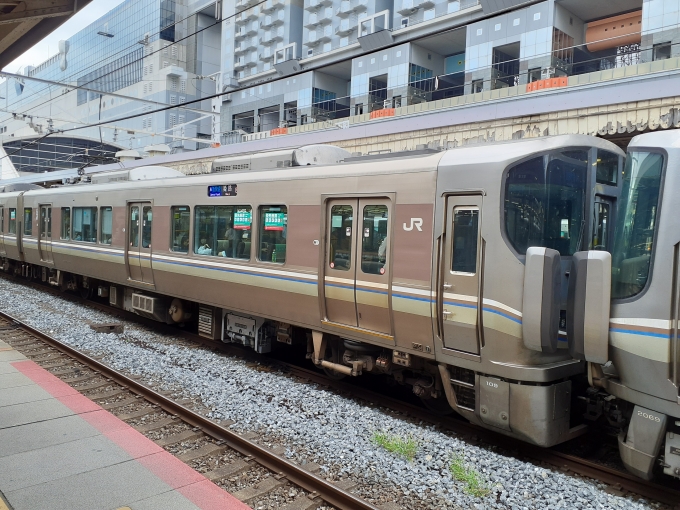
(459,293)
(138,252)
(45,231)
(356,272)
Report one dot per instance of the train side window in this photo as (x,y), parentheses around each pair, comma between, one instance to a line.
(223,231)
(374,239)
(12,221)
(180,220)
(273,232)
(65,222)
(106,228)
(84,224)
(465,238)
(28,221)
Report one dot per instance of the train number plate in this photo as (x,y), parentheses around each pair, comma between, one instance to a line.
(222,190)
(675,450)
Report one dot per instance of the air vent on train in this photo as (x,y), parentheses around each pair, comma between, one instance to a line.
(143,303)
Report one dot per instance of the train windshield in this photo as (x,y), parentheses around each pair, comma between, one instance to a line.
(544,202)
(636,220)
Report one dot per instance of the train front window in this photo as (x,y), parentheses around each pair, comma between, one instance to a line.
(544,202)
(635,223)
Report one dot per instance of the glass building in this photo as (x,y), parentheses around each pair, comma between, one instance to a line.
(133,60)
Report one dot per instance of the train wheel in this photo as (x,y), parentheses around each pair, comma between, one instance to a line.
(439,406)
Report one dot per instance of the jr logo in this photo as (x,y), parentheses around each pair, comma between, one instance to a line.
(415,222)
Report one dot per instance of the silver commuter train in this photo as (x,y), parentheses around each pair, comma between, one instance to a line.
(453,271)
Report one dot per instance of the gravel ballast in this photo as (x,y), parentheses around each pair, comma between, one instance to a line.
(312,423)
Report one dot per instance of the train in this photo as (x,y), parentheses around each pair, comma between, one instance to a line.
(488,278)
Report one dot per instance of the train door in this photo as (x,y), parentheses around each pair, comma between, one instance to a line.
(460,274)
(45,228)
(140,216)
(356,276)
(602,223)
(2,231)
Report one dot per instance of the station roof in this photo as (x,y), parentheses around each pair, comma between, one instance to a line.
(25,22)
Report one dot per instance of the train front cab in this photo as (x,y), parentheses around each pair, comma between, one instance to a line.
(643,362)
(502,353)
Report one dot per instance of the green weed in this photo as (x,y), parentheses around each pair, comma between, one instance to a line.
(404,447)
(474,485)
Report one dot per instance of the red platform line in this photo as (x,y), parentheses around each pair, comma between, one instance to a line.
(188,482)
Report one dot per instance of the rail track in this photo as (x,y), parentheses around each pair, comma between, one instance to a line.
(169,424)
(620,482)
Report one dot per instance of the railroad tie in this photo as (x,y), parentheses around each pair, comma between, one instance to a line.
(206,449)
(120,403)
(231,469)
(267,485)
(187,435)
(155,425)
(302,502)
(138,413)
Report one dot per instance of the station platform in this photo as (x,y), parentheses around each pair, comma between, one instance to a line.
(59,449)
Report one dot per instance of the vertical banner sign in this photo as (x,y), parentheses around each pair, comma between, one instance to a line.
(242,219)
(274,221)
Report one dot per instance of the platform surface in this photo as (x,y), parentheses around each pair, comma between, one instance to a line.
(59,449)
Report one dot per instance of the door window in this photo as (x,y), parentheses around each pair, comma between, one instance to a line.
(134,226)
(374,239)
(465,236)
(147,220)
(2,219)
(601,230)
(48,222)
(180,219)
(340,254)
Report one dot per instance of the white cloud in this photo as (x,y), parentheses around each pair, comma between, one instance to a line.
(49,45)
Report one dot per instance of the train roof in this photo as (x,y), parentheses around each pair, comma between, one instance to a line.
(477,154)
(668,139)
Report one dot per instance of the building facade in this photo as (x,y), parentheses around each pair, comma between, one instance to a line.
(135,59)
(356,58)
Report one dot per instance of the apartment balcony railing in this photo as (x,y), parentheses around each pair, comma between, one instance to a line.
(245,4)
(272,5)
(345,28)
(347,8)
(271,38)
(272,20)
(312,5)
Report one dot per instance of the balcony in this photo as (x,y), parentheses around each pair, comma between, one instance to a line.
(246,30)
(426,4)
(317,4)
(346,8)
(266,55)
(272,5)
(345,28)
(317,19)
(272,20)
(271,38)
(242,5)
(408,7)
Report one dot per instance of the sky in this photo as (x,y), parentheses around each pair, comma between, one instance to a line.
(49,45)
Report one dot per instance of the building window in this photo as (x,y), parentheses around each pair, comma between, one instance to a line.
(273,233)
(515,22)
(662,51)
(28,221)
(537,16)
(106,226)
(65,222)
(404,22)
(173,99)
(182,85)
(477,86)
(84,224)
(480,31)
(182,99)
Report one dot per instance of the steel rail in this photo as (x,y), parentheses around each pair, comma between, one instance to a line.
(325,490)
(627,481)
